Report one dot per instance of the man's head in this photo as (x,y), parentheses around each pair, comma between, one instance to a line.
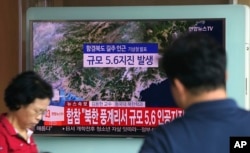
(197,62)
(28,96)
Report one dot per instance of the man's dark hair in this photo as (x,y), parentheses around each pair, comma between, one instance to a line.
(25,88)
(197,60)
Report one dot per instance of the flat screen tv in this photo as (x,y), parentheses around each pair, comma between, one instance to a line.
(103,64)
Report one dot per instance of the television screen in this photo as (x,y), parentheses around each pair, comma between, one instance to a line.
(103,63)
(105,73)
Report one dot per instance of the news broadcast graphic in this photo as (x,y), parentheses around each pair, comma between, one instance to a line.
(240,144)
(105,73)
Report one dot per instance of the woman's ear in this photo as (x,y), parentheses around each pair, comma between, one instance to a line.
(226,76)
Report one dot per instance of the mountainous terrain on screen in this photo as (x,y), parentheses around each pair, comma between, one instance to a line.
(58,56)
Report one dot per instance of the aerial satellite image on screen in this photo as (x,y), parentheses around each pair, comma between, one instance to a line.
(58,53)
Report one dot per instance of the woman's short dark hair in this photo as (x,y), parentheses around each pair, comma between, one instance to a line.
(25,88)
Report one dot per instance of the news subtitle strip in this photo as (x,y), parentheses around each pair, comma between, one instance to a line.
(111,116)
(120,55)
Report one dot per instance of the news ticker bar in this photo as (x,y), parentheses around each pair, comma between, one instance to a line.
(240,144)
(110,116)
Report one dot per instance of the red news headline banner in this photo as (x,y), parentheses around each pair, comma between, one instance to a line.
(119,116)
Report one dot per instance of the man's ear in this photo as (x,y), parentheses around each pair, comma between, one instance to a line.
(180,89)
